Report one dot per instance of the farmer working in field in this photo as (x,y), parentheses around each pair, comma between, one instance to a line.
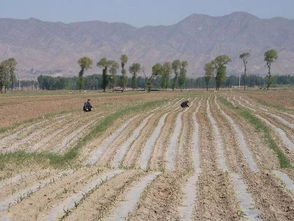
(185,104)
(87,106)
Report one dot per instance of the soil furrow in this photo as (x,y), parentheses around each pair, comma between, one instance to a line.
(13,180)
(216,193)
(281,133)
(150,144)
(98,204)
(69,140)
(218,141)
(173,143)
(157,158)
(190,188)
(285,180)
(246,201)
(73,201)
(38,204)
(16,198)
(270,199)
(123,148)
(97,154)
(241,140)
(132,198)
(271,112)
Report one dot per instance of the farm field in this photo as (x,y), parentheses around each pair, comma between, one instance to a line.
(140,156)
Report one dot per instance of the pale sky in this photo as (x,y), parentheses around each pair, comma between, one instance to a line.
(139,12)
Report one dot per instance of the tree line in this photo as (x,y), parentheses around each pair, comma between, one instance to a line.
(111,80)
(218,66)
(163,75)
(94,82)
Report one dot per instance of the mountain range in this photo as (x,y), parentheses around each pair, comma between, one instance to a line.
(54,48)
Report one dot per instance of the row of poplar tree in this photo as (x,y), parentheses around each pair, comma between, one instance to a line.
(7,74)
(111,67)
(218,68)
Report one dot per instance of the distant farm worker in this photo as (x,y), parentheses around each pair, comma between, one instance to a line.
(185,104)
(87,106)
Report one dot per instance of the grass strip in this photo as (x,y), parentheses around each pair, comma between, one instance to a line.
(261,126)
(278,107)
(58,160)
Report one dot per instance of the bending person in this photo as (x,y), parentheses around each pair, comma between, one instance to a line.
(87,106)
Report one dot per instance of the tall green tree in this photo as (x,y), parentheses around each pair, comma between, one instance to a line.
(3,76)
(244,57)
(7,74)
(123,78)
(113,71)
(176,64)
(134,69)
(270,56)
(209,72)
(220,63)
(104,64)
(156,71)
(166,72)
(183,72)
(11,66)
(85,63)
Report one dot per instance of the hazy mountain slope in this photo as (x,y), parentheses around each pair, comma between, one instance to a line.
(54,48)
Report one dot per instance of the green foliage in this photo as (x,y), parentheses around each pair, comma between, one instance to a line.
(209,72)
(123,59)
(113,70)
(85,63)
(176,64)
(157,70)
(7,74)
(105,64)
(166,71)
(270,56)
(220,76)
(123,79)
(134,69)
(220,63)
(93,82)
(267,133)
(244,57)
(183,72)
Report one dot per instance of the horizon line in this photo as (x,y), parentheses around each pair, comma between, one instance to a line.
(118,22)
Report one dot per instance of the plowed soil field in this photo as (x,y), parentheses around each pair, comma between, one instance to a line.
(139,156)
